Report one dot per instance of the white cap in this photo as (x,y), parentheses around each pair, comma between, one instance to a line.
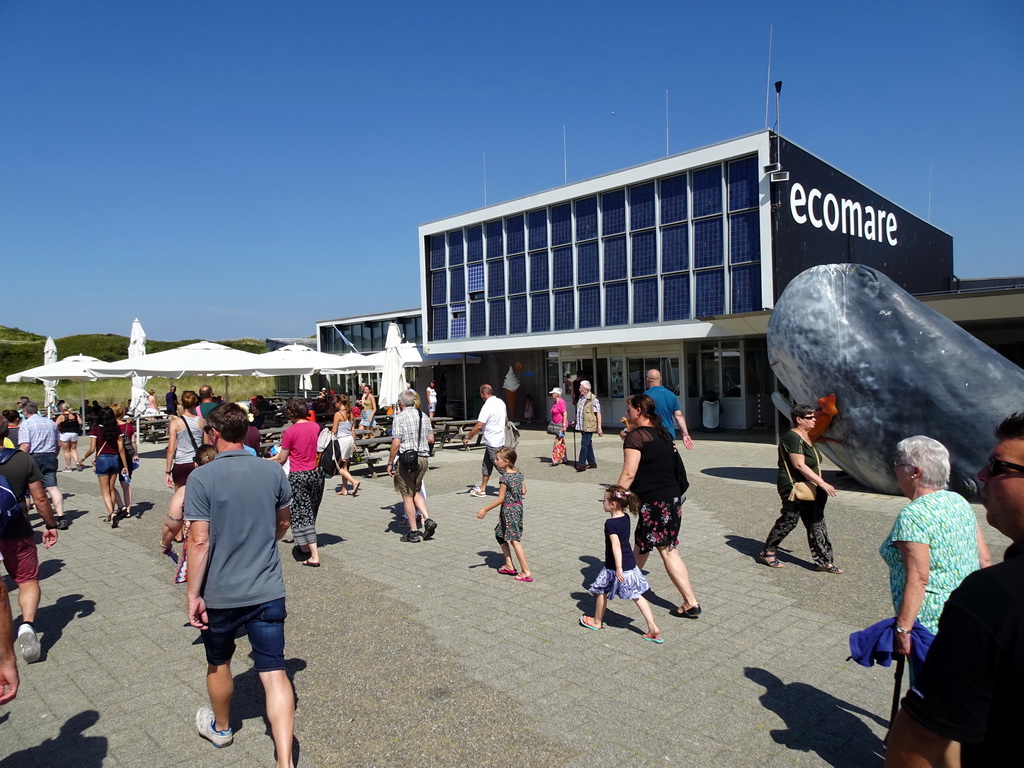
(556,391)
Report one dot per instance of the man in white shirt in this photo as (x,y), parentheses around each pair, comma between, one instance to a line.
(491,420)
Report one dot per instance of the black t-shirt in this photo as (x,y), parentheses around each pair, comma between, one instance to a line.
(20,470)
(655,476)
(618,526)
(969,689)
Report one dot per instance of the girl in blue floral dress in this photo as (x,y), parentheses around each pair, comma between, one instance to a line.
(620,576)
(509,530)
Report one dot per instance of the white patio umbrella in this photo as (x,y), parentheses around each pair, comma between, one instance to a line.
(392,379)
(49,357)
(74,368)
(353,362)
(299,360)
(413,357)
(203,358)
(137,348)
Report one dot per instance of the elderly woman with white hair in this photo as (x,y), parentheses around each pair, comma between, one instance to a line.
(935,542)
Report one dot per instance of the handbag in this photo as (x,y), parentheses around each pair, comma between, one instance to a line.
(327,461)
(679,470)
(802,489)
(555,429)
(511,435)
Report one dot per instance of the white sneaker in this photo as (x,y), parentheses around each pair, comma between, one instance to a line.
(477,492)
(28,644)
(206,726)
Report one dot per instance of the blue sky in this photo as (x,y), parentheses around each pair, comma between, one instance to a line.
(226,169)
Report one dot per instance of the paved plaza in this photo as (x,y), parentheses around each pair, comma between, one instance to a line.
(422,655)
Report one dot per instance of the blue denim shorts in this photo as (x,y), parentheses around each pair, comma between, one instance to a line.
(263,623)
(47,463)
(108,464)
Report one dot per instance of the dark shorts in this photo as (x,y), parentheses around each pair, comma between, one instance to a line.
(47,463)
(263,623)
(21,559)
(107,464)
(657,525)
(180,473)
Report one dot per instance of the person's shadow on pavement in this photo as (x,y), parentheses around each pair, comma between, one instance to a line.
(818,722)
(51,619)
(71,747)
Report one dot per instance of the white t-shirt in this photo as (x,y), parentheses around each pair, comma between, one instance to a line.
(493,416)
(431,396)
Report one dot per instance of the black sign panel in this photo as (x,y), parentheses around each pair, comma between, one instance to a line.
(822,216)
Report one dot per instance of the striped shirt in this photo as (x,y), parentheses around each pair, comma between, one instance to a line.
(40,434)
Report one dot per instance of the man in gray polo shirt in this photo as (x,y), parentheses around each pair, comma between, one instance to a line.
(242,503)
(39,437)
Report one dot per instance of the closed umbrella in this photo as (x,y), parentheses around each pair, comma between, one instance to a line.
(50,357)
(392,380)
(136,349)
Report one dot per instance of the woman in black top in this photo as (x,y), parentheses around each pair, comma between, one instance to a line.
(648,470)
(69,425)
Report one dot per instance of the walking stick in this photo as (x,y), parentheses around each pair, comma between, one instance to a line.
(901,660)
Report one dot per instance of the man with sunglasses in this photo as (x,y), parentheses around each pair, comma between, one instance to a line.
(968,698)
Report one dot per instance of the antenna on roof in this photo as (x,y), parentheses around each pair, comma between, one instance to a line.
(778,115)
(768,82)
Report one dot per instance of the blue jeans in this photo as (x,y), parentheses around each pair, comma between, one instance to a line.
(264,623)
(586,449)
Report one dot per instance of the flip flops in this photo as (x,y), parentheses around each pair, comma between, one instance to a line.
(506,571)
(585,622)
(520,577)
(654,639)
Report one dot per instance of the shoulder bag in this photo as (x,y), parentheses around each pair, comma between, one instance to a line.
(409,459)
(802,489)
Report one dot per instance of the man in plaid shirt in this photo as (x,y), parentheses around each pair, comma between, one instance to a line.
(411,431)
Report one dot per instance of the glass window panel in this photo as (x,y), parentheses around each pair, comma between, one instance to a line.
(614,259)
(562,262)
(538,229)
(436,251)
(616,304)
(514,238)
(459,327)
(517,274)
(641,206)
(475,274)
(561,224)
(743,184)
(539,271)
(455,247)
(710,293)
(587,264)
(565,311)
(439,330)
(586,218)
(674,249)
(458,284)
(474,243)
(707,243)
(673,199)
(645,253)
(497,312)
(517,314)
(744,237)
(645,301)
(707,191)
(676,297)
(590,307)
(495,241)
(540,313)
(613,212)
(746,288)
(477,318)
(495,278)
(438,292)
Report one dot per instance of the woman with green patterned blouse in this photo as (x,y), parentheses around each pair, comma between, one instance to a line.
(935,541)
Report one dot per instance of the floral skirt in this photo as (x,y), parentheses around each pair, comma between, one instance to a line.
(658,525)
(630,589)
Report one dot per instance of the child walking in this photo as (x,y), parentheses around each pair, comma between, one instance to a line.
(509,530)
(620,576)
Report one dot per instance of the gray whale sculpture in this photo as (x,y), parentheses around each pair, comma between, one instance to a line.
(897,368)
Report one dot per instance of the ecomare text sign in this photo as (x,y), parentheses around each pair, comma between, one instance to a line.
(840,214)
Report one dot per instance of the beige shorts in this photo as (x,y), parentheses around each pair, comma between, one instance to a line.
(408,485)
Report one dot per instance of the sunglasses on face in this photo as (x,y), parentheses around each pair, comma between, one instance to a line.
(998,467)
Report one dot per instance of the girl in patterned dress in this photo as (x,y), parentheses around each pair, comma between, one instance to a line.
(509,530)
(620,576)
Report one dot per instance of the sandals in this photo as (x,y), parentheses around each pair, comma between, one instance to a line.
(770,560)
(693,612)
(830,568)
(506,571)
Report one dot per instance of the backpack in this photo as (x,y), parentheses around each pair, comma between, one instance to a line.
(129,449)
(10,504)
(330,454)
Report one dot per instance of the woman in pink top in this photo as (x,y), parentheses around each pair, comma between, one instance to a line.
(298,448)
(559,417)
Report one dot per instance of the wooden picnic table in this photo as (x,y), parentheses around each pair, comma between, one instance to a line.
(452,428)
(153,428)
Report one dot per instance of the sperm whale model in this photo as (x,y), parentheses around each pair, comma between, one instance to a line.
(897,368)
